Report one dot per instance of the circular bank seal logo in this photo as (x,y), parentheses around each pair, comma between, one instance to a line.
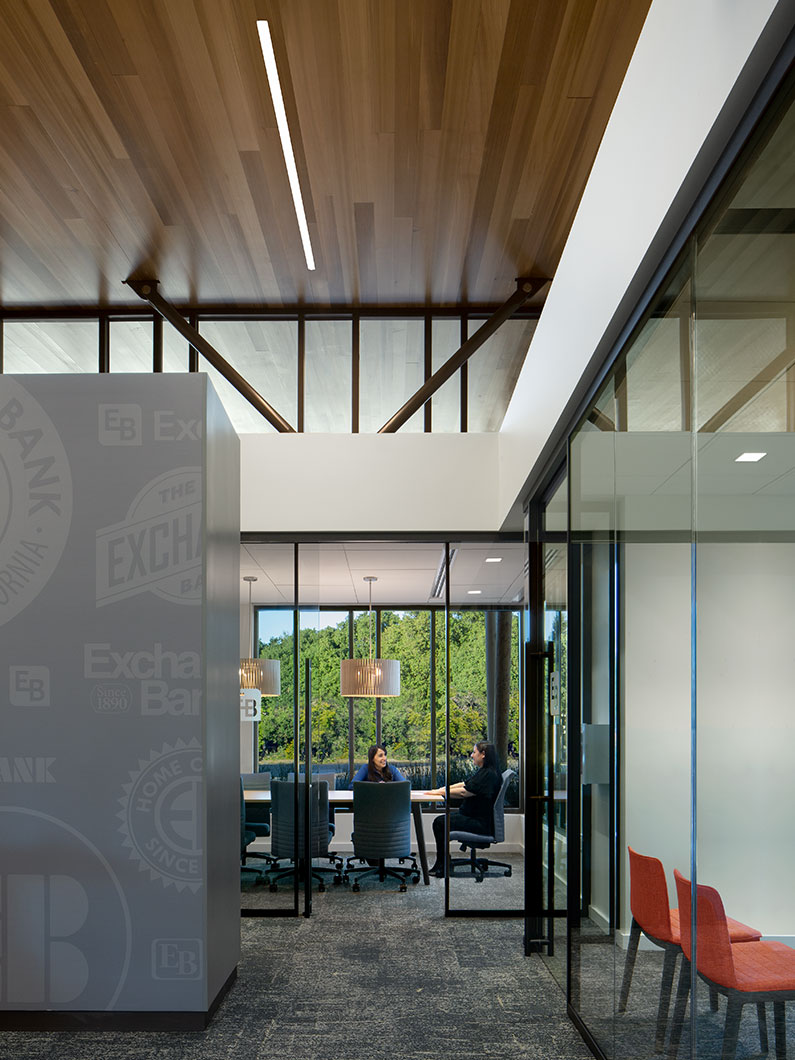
(35,498)
(157,547)
(72,921)
(161,820)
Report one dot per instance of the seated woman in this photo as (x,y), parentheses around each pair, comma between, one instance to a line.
(376,769)
(476,812)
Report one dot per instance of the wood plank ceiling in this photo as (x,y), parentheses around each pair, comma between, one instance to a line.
(442,146)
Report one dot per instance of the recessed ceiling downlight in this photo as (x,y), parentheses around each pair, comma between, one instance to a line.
(749,458)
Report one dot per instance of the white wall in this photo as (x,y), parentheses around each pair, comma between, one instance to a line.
(365,482)
(686,62)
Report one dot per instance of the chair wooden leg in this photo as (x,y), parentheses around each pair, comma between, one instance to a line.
(629,964)
(762,1021)
(732,1029)
(680,1006)
(780,1027)
(669,967)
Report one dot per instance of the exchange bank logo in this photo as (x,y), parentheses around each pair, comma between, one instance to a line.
(29,686)
(177,959)
(64,936)
(250,704)
(163,682)
(35,498)
(160,815)
(158,546)
(120,425)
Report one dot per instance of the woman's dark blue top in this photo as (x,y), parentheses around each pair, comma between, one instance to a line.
(361,774)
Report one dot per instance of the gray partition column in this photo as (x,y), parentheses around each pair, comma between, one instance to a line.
(119,798)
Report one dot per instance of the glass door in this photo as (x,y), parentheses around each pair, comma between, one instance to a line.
(270,741)
(555,729)
(546,728)
(483,710)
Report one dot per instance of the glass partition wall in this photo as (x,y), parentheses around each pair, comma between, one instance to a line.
(275,737)
(470,633)
(484,593)
(682,553)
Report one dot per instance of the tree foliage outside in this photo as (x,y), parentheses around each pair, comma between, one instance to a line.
(405,719)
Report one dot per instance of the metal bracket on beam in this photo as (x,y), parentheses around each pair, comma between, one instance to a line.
(147,290)
(526,288)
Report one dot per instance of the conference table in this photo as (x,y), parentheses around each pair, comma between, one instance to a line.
(344,799)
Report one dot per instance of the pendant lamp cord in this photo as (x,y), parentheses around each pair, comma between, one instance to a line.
(371,620)
(250,645)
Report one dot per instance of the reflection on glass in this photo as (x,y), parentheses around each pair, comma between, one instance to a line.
(685,559)
(50,346)
(654,387)
(391,369)
(554,852)
(745,402)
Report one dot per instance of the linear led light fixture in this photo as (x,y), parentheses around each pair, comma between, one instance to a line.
(749,458)
(284,133)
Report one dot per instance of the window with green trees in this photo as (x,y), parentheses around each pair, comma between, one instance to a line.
(412,725)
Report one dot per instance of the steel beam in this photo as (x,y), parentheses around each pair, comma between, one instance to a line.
(526,289)
(147,290)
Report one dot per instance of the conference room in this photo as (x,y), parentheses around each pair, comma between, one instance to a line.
(415,647)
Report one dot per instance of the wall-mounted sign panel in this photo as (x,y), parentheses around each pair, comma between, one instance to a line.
(119,539)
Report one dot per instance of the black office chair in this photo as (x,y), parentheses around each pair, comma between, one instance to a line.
(480,866)
(247,837)
(283,826)
(258,814)
(381,830)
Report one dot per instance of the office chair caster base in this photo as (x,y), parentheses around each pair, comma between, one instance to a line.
(321,887)
(272,888)
(402,888)
(356,886)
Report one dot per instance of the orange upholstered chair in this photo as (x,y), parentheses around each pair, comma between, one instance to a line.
(745,974)
(653,917)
